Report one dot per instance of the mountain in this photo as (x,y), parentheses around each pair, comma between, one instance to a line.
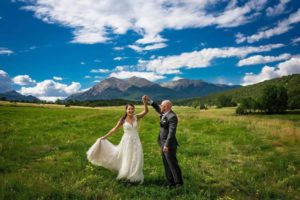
(15,96)
(134,87)
(187,88)
(291,83)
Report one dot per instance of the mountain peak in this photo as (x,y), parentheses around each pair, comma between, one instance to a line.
(183,83)
(111,82)
(139,82)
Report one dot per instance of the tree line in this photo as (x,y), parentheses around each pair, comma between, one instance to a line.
(273,99)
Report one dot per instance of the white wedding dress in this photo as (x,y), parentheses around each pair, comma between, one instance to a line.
(126,158)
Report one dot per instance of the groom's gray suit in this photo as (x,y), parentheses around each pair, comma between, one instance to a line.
(167,137)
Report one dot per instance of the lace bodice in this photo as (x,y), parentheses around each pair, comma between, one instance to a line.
(130,128)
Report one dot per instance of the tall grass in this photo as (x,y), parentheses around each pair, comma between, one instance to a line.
(222,156)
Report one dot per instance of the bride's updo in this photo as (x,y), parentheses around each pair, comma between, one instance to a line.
(125,115)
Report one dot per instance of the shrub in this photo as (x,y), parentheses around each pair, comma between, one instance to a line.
(240,110)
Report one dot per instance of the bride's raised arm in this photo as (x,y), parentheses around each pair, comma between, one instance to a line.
(145,111)
(114,129)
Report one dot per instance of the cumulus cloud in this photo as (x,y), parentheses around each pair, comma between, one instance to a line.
(291,66)
(5,82)
(5,51)
(49,90)
(199,59)
(282,27)
(99,71)
(96,21)
(23,80)
(258,59)
(127,74)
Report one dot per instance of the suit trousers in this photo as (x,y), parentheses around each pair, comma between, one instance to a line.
(172,169)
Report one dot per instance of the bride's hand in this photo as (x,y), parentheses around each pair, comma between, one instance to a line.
(102,138)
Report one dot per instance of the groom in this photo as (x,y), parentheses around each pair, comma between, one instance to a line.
(167,140)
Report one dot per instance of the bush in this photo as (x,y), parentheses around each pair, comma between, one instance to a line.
(195,104)
(203,107)
(240,110)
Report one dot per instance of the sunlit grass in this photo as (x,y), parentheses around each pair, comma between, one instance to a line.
(223,156)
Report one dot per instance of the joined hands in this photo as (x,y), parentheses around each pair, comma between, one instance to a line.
(145,99)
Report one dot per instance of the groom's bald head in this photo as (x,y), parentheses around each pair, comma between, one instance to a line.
(166,106)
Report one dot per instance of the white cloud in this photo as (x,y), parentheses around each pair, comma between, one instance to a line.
(127,74)
(51,89)
(119,58)
(176,78)
(86,89)
(140,48)
(23,80)
(57,78)
(291,66)
(199,59)
(118,48)
(5,51)
(282,27)
(99,71)
(82,63)
(50,99)
(135,47)
(95,21)
(5,82)
(155,46)
(87,77)
(148,39)
(222,81)
(119,68)
(295,41)
(278,9)
(258,59)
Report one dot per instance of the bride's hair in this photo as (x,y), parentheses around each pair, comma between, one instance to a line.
(125,115)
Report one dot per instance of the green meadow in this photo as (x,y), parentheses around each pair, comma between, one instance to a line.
(222,155)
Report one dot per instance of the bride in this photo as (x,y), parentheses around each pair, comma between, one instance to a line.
(127,157)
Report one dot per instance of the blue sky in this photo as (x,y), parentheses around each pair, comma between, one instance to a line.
(53,48)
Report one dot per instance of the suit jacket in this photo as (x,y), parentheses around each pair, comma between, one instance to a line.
(167,131)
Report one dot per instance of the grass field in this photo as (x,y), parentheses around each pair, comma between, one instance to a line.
(222,156)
